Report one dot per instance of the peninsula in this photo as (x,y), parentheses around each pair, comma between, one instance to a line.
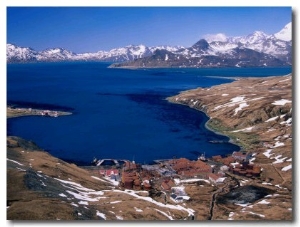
(19,112)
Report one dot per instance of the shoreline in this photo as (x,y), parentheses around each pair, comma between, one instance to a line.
(207,123)
(22,112)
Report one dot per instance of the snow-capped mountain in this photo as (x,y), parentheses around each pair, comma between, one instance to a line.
(23,54)
(202,55)
(278,45)
(55,54)
(286,33)
(20,54)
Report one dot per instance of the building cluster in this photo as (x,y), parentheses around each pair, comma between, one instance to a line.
(238,164)
(245,169)
(134,177)
(49,113)
(188,168)
(161,176)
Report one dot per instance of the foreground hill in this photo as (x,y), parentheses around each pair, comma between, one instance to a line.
(42,187)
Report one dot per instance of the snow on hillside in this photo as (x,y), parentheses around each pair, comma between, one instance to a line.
(286,33)
(278,44)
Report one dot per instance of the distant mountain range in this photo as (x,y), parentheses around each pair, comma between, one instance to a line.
(255,50)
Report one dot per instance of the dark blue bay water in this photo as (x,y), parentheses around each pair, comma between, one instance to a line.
(118,113)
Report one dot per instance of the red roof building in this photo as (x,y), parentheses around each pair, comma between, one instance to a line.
(186,167)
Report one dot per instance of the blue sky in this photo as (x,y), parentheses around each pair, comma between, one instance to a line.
(90,29)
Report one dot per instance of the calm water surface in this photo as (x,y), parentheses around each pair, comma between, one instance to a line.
(117,113)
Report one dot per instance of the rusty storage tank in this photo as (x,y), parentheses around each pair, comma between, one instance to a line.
(256,169)
(128,183)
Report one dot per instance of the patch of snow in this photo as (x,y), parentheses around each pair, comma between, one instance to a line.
(287,168)
(263,202)
(74,204)
(241,106)
(83,196)
(278,144)
(287,122)
(271,119)
(268,153)
(83,202)
(224,94)
(81,193)
(101,215)
(278,186)
(194,180)
(113,182)
(266,183)
(232,102)
(119,217)
(230,216)
(242,204)
(138,210)
(243,182)
(237,99)
(251,160)
(14,161)
(21,169)
(261,215)
(41,176)
(281,102)
(289,160)
(75,185)
(165,214)
(149,199)
(278,160)
(115,202)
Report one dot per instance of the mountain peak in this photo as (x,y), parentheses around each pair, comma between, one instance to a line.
(256,36)
(202,44)
(285,34)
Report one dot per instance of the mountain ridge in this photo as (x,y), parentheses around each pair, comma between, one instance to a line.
(277,46)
